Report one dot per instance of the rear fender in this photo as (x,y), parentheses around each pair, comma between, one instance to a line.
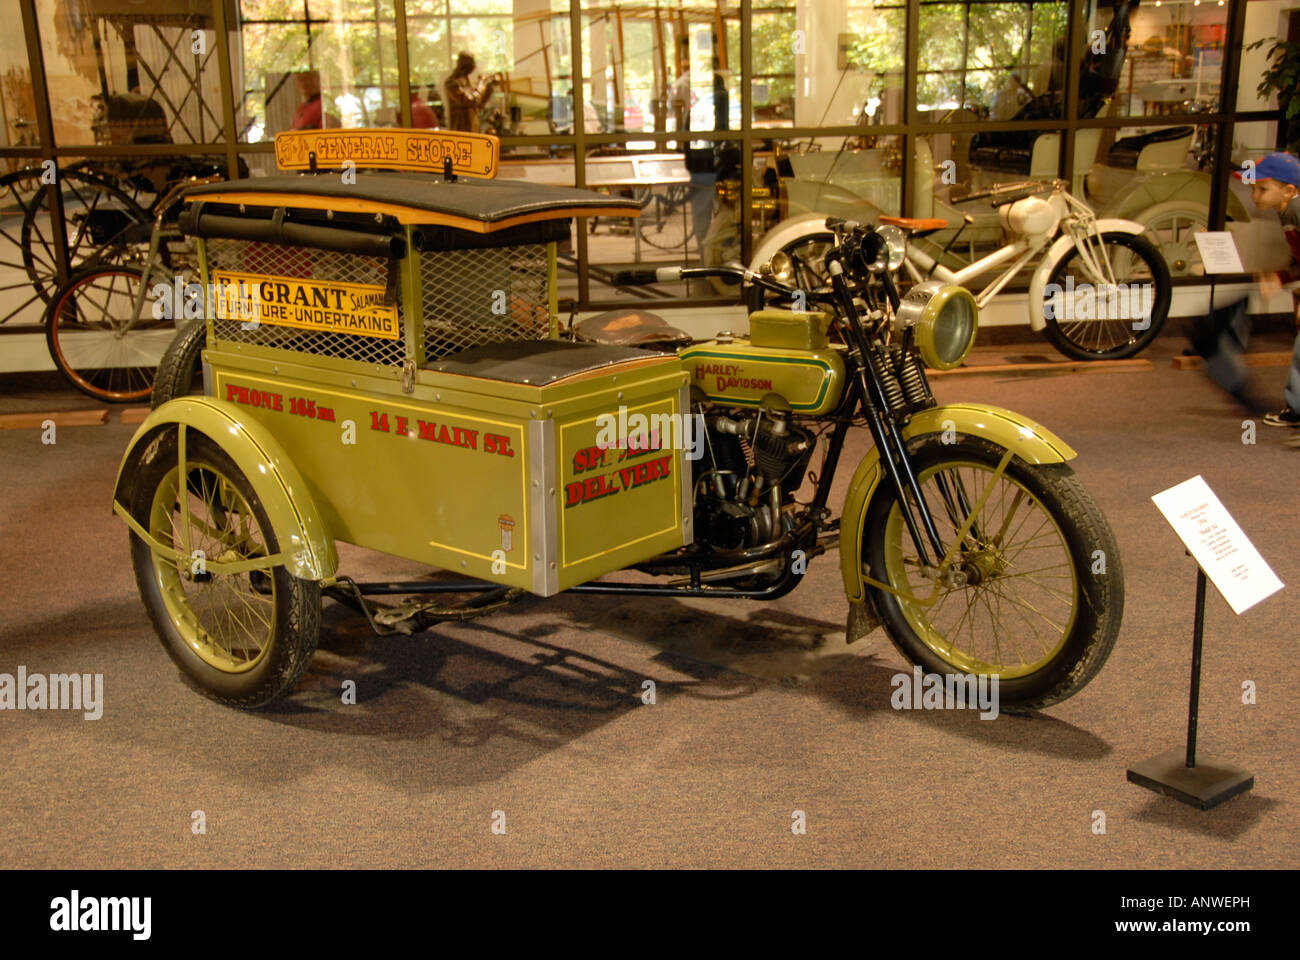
(284,494)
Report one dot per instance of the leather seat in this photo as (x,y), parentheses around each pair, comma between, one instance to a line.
(631,328)
(1124,152)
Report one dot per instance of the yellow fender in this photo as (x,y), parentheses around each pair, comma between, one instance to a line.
(297,523)
(1030,441)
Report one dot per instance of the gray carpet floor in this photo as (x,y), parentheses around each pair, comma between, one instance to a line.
(761,709)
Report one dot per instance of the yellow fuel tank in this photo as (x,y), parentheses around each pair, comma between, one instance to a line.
(738,373)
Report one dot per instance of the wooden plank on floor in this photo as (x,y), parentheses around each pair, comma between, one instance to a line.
(1132,365)
(1264,358)
(62,418)
(134,414)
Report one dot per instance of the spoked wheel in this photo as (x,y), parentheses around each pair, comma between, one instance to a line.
(1036,593)
(100,222)
(1172,227)
(243,638)
(99,341)
(666,221)
(1110,304)
(21,301)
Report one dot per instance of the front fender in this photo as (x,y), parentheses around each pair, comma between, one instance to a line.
(1031,442)
(1058,250)
(277,482)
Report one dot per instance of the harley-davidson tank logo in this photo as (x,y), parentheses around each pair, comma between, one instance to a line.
(726,376)
(333,307)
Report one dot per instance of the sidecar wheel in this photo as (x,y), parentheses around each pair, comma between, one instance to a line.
(1033,612)
(243,639)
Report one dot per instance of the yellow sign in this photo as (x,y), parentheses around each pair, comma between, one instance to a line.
(356,308)
(473,154)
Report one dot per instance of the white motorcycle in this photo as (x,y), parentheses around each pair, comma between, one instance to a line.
(1100,292)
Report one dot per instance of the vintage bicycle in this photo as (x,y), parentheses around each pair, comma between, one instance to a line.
(407,388)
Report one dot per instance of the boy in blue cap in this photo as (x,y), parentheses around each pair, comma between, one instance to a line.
(1276,186)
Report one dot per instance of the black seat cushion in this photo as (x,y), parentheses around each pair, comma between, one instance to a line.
(536,362)
(1124,152)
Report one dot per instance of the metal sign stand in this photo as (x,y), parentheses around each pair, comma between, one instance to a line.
(1176,772)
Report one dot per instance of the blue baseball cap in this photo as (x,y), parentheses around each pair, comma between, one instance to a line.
(1276,166)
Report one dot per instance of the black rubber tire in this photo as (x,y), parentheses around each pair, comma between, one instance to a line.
(1085,530)
(1155,263)
(297,609)
(181,366)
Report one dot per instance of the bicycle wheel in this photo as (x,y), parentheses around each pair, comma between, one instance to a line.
(101,223)
(243,639)
(666,221)
(1110,310)
(94,341)
(1032,607)
(20,302)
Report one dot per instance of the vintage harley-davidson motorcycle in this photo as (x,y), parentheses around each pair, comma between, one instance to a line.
(383,365)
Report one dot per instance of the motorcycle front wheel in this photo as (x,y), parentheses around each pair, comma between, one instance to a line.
(1038,595)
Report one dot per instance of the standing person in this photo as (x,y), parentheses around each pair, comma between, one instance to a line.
(1276,187)
(464,97)
(311,114)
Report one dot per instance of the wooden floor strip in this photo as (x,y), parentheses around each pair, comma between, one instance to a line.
(1134,365)
(1265,358)
(61,418)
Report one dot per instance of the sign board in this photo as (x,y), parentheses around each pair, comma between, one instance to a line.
(1218,252)
(1216,542)
(322,305)
(424,151)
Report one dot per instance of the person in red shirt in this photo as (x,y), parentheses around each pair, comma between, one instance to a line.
(311,114)
(422,115)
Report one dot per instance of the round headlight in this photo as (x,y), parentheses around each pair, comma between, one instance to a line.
(946,320)
(895,242)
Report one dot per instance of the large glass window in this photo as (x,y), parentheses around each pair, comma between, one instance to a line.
(121,74)
(316,63)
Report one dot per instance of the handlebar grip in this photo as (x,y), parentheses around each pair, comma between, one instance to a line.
(640,278)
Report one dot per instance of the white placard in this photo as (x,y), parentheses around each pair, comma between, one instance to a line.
(1216,542)
(1218,252)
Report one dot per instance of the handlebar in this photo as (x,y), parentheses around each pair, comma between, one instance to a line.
(640,278)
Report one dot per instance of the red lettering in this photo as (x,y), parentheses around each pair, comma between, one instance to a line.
(401,425)
(573,494)
(379,421)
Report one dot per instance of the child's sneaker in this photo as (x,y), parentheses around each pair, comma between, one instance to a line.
(1286,417)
